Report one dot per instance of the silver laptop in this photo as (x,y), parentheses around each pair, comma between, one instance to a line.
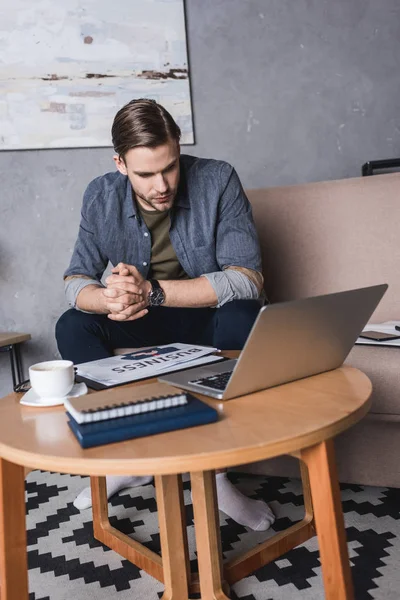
(288,341)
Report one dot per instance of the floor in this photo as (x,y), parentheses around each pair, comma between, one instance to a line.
(66,562)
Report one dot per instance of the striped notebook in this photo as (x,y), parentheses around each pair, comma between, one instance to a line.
(124,401)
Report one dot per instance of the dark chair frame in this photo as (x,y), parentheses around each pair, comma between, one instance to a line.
(15,361)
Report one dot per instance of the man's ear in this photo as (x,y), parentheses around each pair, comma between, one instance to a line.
(120,164)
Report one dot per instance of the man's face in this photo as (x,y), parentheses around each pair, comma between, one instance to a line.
(153,173)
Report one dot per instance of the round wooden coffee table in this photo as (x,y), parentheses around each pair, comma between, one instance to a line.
(298,418)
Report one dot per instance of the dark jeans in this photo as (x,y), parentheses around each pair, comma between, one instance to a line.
(82,337)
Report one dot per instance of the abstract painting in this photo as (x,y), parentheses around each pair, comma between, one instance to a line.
(67,67)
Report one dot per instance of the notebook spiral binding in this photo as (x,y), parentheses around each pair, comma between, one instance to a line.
(145,405)
(124,408)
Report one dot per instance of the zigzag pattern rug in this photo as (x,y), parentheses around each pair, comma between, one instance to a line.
(65,561)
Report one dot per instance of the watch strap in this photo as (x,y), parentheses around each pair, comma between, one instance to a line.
(156,295)
(155,285)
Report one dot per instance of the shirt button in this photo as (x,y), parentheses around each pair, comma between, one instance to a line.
(146,234)
(145,264)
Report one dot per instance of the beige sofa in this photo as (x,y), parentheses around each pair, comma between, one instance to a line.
(325,237)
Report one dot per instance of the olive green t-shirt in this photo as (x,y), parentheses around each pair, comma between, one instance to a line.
(164,262)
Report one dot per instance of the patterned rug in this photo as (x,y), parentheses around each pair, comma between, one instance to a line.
(65,561)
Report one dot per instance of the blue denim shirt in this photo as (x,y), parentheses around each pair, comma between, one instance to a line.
(211,223)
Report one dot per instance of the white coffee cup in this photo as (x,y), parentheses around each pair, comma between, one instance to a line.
(53,378)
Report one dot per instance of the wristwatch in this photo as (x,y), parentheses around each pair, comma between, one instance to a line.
(156,295)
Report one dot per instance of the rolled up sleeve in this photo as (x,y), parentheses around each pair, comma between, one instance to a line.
(72,287)
(88,263)
(237,246)
(236,236)
(87,258)
(231,284)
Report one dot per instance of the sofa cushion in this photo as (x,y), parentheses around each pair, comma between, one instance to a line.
(330,236)
(382,365)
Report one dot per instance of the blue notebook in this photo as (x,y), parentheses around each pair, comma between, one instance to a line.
(194,413)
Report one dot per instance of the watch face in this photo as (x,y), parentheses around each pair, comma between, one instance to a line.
(156,297)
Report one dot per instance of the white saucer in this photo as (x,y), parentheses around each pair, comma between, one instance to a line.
(32,399)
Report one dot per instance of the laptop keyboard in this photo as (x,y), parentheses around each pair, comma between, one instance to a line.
(216,382)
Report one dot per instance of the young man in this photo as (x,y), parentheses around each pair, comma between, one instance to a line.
(180,233)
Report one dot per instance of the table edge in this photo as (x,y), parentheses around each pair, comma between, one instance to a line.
(146,466)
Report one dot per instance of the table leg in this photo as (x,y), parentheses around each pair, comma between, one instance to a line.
(13,368)
(13,555)
(308,505)
(173,537)
(121,543)
(328,515)
(208,540)
(172,567)
(245,564)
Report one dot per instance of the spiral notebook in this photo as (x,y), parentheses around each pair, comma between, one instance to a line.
(123,402)
(192,414)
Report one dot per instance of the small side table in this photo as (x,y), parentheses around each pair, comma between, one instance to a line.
(10,342)
(299,418)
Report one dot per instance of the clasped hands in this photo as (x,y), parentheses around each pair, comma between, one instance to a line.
(126,294)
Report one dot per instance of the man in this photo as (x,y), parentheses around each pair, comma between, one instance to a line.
(180,233)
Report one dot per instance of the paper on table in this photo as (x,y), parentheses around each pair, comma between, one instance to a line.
(193,363)
(143,363)
(385,327)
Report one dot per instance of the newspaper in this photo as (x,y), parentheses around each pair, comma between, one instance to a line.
(146,362)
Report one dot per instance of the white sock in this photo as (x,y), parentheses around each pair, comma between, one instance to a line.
(254,514)
(114,485)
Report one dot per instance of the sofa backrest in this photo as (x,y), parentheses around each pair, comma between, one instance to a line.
(330,236)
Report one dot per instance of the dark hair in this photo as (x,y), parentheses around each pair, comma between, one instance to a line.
(142,122)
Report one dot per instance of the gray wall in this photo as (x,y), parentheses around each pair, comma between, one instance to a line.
(287,90)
